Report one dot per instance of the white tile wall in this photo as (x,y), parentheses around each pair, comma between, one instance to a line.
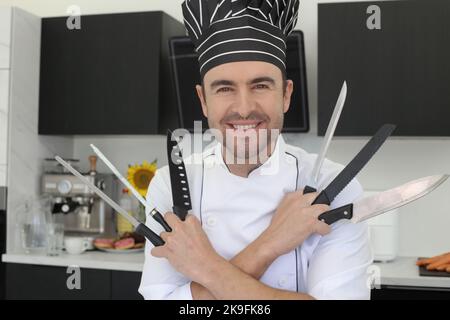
(5,36)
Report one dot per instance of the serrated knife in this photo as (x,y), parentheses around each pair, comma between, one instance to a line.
(327,195)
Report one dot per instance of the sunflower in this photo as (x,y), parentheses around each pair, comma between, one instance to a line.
(140,176)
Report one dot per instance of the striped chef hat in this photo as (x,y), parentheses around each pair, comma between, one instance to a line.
(240,30)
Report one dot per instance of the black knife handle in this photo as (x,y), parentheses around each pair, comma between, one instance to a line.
(322,199)
(309,189)
(144,231)
(344,212)
(160,219)
(180,212)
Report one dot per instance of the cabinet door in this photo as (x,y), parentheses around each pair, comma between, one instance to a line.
(125,285)
(410,293)
(5,36)
(102,78)
(25,281)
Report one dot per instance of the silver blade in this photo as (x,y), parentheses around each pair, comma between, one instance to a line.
(118,175)
(394,198)
(330,132)
(100,193)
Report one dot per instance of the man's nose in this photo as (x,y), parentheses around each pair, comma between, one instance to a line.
(244,103)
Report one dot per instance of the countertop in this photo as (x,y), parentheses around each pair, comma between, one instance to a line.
(400,272)
(90,260)
(404,272)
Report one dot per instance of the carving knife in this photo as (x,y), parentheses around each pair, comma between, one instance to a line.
(385,201)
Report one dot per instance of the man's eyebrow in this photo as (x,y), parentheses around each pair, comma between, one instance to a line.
(262,79)
(217,83)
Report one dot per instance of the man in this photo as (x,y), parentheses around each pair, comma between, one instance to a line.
(252,234)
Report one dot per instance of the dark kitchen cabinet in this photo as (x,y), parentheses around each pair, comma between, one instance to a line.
(410,293)
(111,76)
(394,56)
(26,281)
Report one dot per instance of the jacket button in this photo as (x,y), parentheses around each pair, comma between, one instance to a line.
(211,221)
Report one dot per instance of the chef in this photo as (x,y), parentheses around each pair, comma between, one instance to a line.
(252,233)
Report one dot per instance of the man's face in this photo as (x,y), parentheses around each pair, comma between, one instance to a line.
(244,101)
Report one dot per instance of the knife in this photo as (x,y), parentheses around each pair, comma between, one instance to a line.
(347,174)
(140,227)
(328,136)
(157,216)
(178,179)
(385,201)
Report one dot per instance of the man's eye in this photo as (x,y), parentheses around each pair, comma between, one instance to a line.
(224,90)
(261,86)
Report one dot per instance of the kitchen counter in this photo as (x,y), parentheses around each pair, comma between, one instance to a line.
(89,260)
(402,272)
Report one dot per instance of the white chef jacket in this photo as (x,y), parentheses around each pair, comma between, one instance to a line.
(234,211)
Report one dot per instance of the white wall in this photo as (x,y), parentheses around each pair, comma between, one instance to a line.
(5,48)
(424,225)
(26,148)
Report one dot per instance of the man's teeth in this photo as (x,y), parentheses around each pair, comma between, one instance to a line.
(246,127)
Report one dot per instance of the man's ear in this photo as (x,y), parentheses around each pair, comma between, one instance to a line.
(288,95)
(201,97)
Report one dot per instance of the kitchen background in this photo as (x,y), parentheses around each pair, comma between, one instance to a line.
(424,226)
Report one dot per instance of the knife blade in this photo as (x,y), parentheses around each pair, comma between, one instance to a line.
(156,215)
(330,132)
(140,227)
(347,174)
(385,201)
(178,179)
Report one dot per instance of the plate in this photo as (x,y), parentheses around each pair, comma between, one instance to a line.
(122,251)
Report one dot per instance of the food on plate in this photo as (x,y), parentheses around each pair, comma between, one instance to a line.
(104,243)
(439,263)
(129,240)
(124,244)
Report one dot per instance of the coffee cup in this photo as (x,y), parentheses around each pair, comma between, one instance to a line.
(76,245)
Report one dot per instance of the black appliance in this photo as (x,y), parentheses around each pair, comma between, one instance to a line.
(186,75)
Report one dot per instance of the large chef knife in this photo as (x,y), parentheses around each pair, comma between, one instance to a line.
(385,201)
(354,167)
(327,139)
(140,227)
(178,178)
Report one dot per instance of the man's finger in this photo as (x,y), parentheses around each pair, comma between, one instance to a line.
(318,209)
(164,235)
(158,252)
(172,219)
(322,228)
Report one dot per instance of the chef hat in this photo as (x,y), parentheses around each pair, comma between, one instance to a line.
(240,30)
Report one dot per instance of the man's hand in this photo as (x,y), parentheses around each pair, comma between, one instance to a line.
(293,222)
(187,247)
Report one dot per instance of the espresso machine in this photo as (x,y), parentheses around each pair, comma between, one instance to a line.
(81,210)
